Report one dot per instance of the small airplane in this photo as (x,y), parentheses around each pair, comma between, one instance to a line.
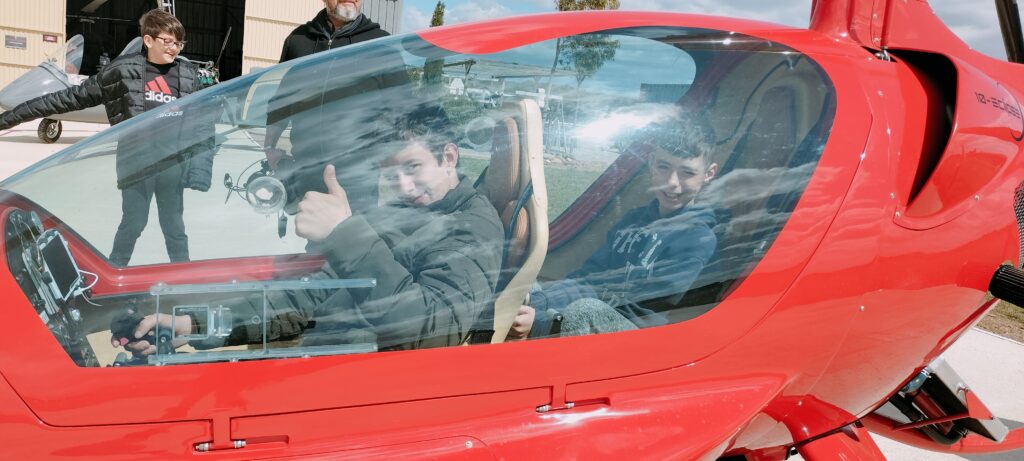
(866,181)
(57,73)
(60,72)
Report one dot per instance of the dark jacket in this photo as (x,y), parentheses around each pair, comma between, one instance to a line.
(436,269)
(120,88)
(315,98)
(644,257)
(316,35)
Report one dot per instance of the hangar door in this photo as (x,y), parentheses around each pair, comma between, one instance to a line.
(210,25)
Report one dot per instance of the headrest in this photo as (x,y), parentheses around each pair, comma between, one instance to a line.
(501,181)
(773,131)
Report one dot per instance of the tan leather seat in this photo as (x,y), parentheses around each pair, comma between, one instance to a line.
(514,184)
(504,187)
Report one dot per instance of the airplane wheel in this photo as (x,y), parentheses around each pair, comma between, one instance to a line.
(49,130)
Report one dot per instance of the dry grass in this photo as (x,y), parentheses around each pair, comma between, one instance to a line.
(1005,320)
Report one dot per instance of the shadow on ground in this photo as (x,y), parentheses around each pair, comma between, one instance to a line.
(35,140)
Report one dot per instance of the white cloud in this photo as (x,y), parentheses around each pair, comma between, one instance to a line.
(414,19)
(475,11)
(976,23)
(788,12)
(456,12)
(543,5)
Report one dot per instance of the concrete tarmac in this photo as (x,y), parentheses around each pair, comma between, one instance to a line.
(991,365)
(21,147)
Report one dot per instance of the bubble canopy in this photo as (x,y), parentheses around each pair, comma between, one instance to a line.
(695,140)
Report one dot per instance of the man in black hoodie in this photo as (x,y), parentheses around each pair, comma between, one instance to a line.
(301,102)
(340,23)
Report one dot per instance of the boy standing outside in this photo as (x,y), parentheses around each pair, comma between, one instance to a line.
(128,86)
(652,252)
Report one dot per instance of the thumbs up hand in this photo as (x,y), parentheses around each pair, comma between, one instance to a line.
(320,213)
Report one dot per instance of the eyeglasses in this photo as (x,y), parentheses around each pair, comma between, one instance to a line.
(170,42)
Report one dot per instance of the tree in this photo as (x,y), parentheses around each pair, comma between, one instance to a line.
(584,53)
(433,69)
(438,19)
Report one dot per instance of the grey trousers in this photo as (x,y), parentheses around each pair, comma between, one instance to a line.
(135,202)
(588,316)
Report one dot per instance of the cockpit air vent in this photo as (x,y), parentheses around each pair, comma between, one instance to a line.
(920,155)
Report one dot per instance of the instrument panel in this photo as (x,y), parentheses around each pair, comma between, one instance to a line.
(45,270)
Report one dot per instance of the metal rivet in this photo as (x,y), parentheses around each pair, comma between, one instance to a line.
(862,308)
(892,195)
(977,197)
(239,444)
(203,447)
(570,405)
(881,93)
(863,155)
(543,408)
(469,444)
(898,214)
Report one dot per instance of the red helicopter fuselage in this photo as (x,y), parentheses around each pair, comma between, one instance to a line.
(883,264)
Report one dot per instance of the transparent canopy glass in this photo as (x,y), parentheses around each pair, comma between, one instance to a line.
(593,101)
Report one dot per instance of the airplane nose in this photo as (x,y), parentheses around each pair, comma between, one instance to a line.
(42,79)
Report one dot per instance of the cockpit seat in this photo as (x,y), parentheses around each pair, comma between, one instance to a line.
(514,184)
(503,186)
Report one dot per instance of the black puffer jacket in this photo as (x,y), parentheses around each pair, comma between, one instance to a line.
(436,269)
(315,36)
(120,88)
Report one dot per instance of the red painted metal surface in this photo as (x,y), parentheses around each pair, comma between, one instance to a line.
(849,443)
(972,444)
(858,293)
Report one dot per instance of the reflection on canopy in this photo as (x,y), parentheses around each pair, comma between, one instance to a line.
(546,132)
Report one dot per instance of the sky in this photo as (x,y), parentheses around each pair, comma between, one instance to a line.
(973,20)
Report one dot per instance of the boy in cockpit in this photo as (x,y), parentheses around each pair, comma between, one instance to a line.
(652,252)
(435,254)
